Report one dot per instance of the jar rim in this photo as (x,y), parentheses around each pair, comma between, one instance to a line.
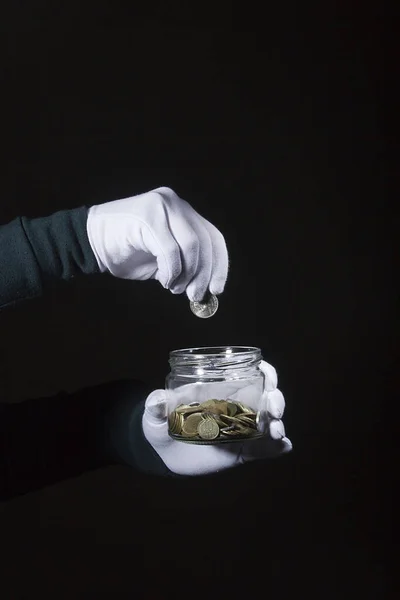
(213,351)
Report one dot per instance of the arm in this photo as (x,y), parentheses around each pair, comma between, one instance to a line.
(155,235)
(47,440)
(35,251)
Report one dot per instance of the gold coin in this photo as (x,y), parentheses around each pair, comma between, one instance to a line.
(219,421)
(231,432)
(207,414)
(209,405)
(182,407)
(188,435)
(175,421)
(219,407)
(243,408)
(180,423)
(186,409)
(212,418)
(191,423)
(208,429)
(232,409)
(230,420)
(216,406)
(247,421)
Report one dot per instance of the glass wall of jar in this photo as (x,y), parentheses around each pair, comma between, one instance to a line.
(215,395)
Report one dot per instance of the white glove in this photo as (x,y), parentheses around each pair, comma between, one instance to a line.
(192,459)
(158,235)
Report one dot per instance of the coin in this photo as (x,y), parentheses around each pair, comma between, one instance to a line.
(209,404)
(218,407)
(231,409)
(231,432)
(182,407)
(247,421)
(219,421)
(212,422)
(222,408)
(208,429)
(185,434)
(185,409)
(230,420)
(191,424)
(243,408)
(175,422)
(205,309)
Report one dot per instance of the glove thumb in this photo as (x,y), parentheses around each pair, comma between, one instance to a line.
(155,408)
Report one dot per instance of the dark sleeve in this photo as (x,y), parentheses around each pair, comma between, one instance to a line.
(125,440)
(34,252)
(47,440)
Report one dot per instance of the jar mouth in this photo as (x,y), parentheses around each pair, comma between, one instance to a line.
(214,358)
(214,352)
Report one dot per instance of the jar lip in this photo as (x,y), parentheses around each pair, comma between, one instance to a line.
(214,351)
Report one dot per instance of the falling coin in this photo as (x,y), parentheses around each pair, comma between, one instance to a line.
(205,309)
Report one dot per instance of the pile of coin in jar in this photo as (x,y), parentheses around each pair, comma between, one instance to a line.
(213,421)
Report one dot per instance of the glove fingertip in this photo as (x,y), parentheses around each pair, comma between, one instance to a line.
(277,429)
(287,445)
(271,376)
(276,404)
(217,286)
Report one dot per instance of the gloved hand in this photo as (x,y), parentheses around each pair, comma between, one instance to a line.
(157,235)
(191,459)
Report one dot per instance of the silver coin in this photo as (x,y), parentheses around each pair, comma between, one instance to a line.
(207,309)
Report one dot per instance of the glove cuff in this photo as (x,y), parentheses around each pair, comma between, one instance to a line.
(92,237)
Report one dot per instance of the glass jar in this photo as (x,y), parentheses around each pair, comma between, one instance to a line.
(215,395)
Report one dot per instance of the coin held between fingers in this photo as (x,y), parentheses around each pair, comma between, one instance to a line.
(206,308)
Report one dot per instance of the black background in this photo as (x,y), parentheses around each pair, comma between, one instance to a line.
(272,127)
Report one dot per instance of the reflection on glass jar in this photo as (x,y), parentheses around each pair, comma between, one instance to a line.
(215,395)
